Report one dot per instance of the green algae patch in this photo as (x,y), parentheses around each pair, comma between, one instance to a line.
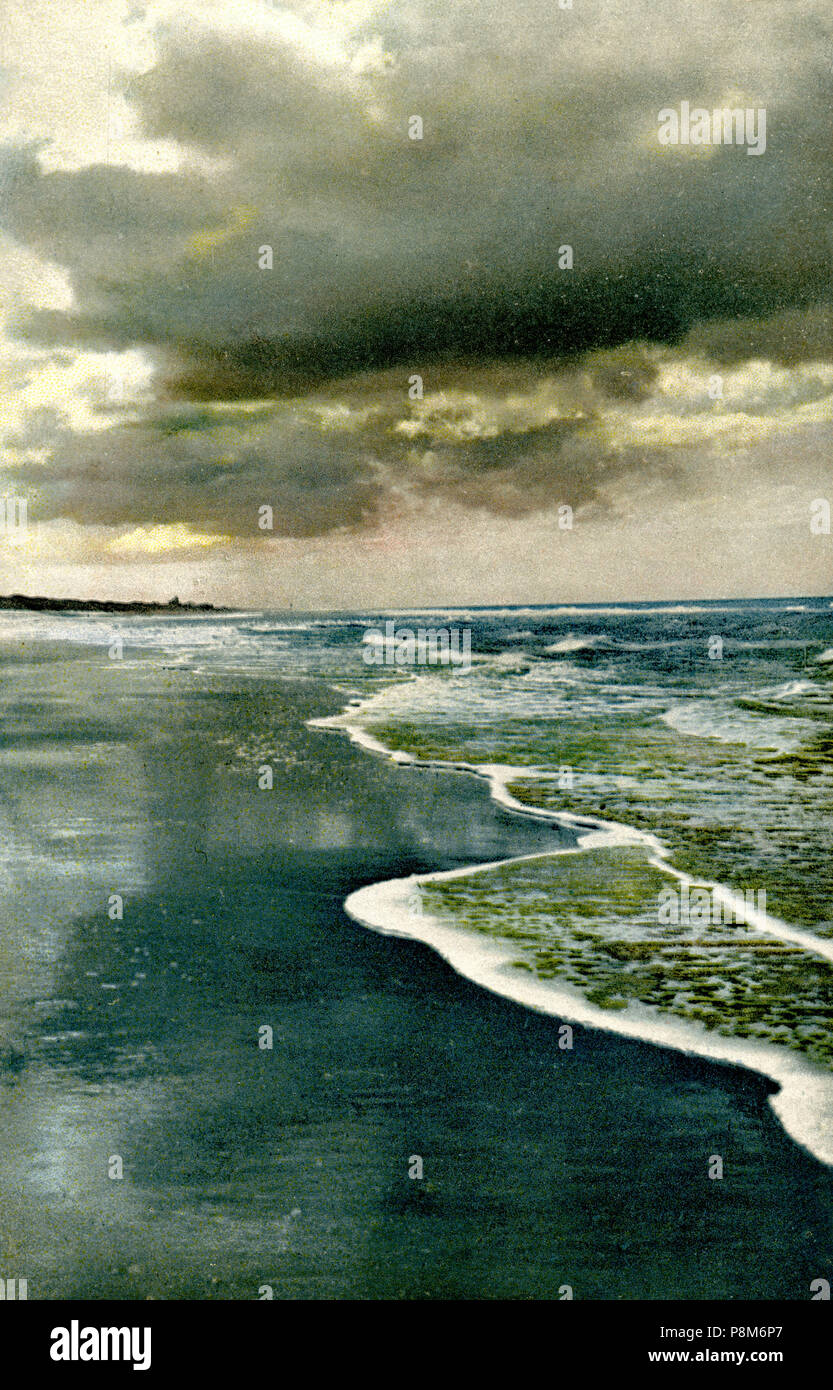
(460,741)
(749,818)
(591,921)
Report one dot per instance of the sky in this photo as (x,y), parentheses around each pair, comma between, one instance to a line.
(536,355)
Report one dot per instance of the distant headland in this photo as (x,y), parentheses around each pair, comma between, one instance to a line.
(34,603)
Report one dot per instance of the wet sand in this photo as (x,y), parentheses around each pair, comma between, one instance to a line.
(288,1167)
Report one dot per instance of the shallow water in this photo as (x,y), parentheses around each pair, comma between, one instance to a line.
(243,1167)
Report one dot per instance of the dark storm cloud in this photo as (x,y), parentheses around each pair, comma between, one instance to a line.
(540,131)
(788,338)
(219,469)
(499,438)
(175,468)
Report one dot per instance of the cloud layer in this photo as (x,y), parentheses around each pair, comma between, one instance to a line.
(439,257)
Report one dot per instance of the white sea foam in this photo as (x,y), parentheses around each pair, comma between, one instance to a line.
(804,1103)
(726,722)
(575,643)
(788,690)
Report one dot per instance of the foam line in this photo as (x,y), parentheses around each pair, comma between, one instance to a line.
(804,1103)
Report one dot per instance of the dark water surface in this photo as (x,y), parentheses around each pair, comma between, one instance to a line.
(244,1167)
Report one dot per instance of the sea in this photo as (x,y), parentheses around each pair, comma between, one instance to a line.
(225,1037)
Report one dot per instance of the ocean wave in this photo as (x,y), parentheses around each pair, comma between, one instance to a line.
(788,690)
(278,627)
(804,1102)
(641,611)
(574,642)
(794,700)
(730,723)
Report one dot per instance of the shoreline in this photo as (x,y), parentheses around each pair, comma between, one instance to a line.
(804,1102)
(36,603)
(290,1165)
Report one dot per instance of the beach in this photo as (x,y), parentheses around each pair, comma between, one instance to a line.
(252,1172)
